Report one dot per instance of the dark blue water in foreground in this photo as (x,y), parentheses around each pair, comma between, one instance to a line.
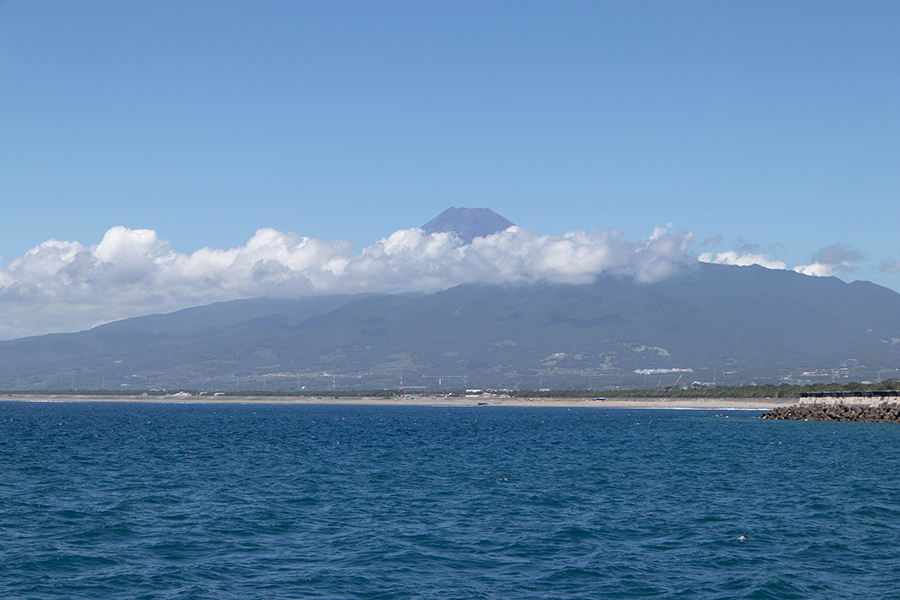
(242,502)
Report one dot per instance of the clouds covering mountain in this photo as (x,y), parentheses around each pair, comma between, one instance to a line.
(66,286)
(559,308)
(61,286)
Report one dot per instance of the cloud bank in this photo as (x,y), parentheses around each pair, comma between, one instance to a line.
(65,286)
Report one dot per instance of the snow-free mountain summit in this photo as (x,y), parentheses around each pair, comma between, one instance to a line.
(467,223)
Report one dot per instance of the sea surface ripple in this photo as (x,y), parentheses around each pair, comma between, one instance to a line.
(107,500)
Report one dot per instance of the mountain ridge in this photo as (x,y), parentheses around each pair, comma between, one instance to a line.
(724,323)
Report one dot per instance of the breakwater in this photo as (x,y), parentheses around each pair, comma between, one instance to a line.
(871,407)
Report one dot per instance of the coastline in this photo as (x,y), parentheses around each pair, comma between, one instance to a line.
(427,400)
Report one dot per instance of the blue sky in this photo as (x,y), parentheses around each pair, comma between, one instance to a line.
(764,128)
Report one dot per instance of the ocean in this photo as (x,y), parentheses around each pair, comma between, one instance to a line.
(122,500)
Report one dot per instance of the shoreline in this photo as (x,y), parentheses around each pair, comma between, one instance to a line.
(437,401)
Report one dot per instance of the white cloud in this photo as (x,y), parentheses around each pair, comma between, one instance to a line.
(743,260)
(817,269)
(831,260)
(64,286)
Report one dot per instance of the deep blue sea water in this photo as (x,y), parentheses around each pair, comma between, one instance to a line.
(272,501)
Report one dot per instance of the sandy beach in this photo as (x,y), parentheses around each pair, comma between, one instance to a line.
(429,400)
